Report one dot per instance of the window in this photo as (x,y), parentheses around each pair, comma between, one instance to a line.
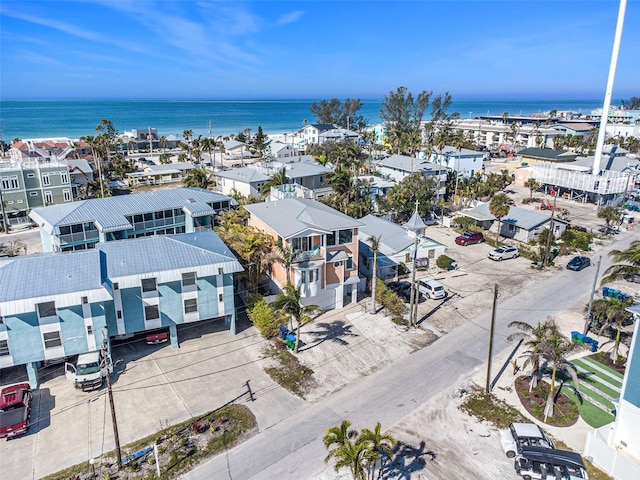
(350,263)
(220,271)
(46,309)
(188,279)
(331,238)
(45,179)
(151,312)
(31,175)
(66,230)
(76,228)
(89,330)
(303,276)
(14,182)
(148,217)
(220,297)
(190,305)
(48,197)
(64,178)
(67,195)
(5,183)
(4,348)
(149,284)
(116,286)
(119,314)
(33,194)
(85,300)
(345,236)
(52,339)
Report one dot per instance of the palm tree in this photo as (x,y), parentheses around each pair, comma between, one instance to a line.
(374,243)
(352,455)
(612,312)
(555,350)
(499,207)
(379,445)
(278,177)
(288,302)
(337,436)
(609,214)
(535,337)
(627,263)
(284,255)
(163,143)
(197,178)
(532,184)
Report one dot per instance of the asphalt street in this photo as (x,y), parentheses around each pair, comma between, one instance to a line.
(292,449)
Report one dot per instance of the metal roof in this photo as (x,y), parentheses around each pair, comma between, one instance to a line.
(292,216)
(410,164)
(244,175)
(520,217)
(393,238)
(32,276)
(167,252)
(109,213)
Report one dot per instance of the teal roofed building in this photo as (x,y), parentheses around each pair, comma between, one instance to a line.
(56,305)
(81,225)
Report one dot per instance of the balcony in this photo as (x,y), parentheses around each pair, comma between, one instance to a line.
(308,256)
(290,190)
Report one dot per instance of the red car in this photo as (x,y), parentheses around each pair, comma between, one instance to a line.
(15,405)
(469,238)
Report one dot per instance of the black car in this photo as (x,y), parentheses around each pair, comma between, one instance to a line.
(401,288)
(578,263)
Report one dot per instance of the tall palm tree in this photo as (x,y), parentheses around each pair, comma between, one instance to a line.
(627,263)
(288,302)
(535,337)
(612,312)
(379,445)
(499,208)
(352,455)
(532,184)
(94,143)
(284,255)
(610,215)
(336,436)
(555,350)
(163,143)
(374,244)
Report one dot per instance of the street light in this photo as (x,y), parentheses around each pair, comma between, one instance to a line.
(92,462)
(416,225)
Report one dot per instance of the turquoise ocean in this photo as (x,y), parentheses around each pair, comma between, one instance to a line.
(75,118)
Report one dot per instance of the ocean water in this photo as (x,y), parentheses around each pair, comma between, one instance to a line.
(75,119)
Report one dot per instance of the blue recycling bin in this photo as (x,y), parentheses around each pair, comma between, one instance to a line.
(577,337)
(291,341)
(283,332)
(605,291)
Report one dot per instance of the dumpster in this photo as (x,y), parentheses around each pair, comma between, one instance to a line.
(577,337)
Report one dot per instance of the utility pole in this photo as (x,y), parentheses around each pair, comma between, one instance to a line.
(493,325)
(587,322)
(105,357)
(414,294)
(546,250)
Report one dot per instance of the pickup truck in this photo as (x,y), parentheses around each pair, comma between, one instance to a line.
(15,406)
(520,435)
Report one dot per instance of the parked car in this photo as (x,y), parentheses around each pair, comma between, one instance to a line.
(578,263)
(504,252)
(520,435)
(469,238)
(403,289)
(431,288)
(15,407)
(633,278)
(544,463)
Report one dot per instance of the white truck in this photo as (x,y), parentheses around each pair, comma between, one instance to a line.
(89,371)
(520,435)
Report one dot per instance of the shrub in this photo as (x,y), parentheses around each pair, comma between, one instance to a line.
(264,319)
(443,262)
(466,223)
(576,239)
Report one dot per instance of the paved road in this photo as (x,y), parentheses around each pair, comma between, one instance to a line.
(293,448)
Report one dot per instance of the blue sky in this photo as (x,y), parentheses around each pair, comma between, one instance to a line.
(121,49)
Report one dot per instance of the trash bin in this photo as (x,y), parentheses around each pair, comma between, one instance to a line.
(291,341)
(605,291)
(577,337)
(594,346)
(283,332)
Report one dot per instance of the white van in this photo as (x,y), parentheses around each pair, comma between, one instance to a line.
(89,371)
(431,288)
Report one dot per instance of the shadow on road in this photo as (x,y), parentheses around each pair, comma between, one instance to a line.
(332,332)
(407,459)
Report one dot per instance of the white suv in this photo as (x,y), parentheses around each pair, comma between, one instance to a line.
(520,435)
(431,288)
(504,252)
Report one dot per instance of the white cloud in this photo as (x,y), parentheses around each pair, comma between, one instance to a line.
(290,17)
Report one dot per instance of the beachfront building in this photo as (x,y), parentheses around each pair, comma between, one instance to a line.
(324,245)
(618,115)
(28,184)
(311,133)
(462,160)
(56,305)
(492,132)
(397,167)
(81,225)
(396,248)
(235,150)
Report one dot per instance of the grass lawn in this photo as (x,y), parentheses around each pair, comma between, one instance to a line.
(590,413)
(587,365)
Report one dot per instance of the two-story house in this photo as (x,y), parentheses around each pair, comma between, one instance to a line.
(397,167)
(464,161)
(81,225)
(56,305)
(324,246)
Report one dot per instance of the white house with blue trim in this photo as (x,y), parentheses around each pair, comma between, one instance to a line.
(61,304)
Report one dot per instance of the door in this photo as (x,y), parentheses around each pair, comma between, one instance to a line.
(70,371)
